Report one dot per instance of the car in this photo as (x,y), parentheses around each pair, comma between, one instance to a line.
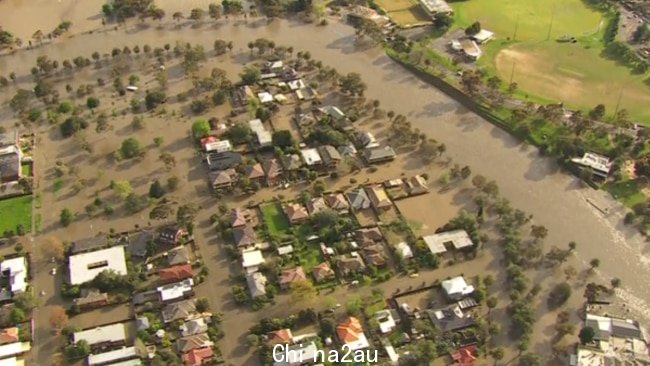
(414,275)
(53,271)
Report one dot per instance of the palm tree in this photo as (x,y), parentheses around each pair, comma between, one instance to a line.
(251,45)
(572,245)
(594,263)
(177,16)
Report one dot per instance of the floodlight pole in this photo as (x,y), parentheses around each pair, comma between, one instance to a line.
(550,24)
(618,102)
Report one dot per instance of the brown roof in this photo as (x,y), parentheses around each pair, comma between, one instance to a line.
(375,255)
(417,184)
(316,204)
(370,234)
(272,168)
(222,177)
(378,197)
(9,335)
(350,264)
(329,154)
(295,212)
(323,272)
(254,171)
(281,336)
(244,236)
(239,217)
(186,344)
(336,201)
(292,275)
(176,273)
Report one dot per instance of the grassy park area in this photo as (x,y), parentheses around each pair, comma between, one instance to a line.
(16,211)
(404,12)
(275,219)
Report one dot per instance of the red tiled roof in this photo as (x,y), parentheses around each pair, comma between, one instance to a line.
(281,336)
(208,140)
(9,335)
(349,330)
(291,275)
(176,273)
(464,356)
(196,356)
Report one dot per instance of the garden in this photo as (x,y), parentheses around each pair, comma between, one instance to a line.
(16,216)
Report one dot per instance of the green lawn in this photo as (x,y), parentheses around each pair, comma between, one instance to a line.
(14,212)
(626,191)
(275,219)
(26,170)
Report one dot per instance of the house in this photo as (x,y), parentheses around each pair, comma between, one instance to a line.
(605,327)
(273,66)
(374,255)
(219,146)
(175,291)
(170,235)
(223,160)
(416,185)
(14,349)
(367,140)
(378,154)
(244,236)
(368,235)
(404,250)
(362,12)
(223,179)
(323,272)
(9,139)
(306,93)
(291,162)
(15,269)
(456,288)
(265,97)
(9,335)
(483,36)
(435,246)
(280,336)
(251,260)
(296,84)
(100,337)
(448,240)
(186,344)
(350,333)
(194,326)
(256,282)
(140,242)
(336,201)
(198,356)
(330,156)
(464,356)
(300,354)
(10,164)
(262,135)
(311,157)
(617,341)
(450,319)
(178,310)
(316,204)
(333,112)
(350,265)
(288,74)
(241,96)
(89,244)
(142,323)
(347,150)
(358,199)
(91,299)
(254,172)
(433,7)
(177,256)
(291,275)
(467,47)
(385,320)
(239,217)
(378,198)
(113,357)
(273,171)
(285,250)
(86,266)
(598,164)
(296,213)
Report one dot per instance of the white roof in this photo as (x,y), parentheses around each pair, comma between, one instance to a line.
(108,333)
(264,137)
(280,98)
(436,6)
(483,35)
(265,97)
(218,146)
(252,258)
(459,239)
(296,84)
(385,320)
(256,125)
(85,267)
(457,286)
(175,290)
(118,354)
(304,353)
(311,156)
(17,268)
(596,162)
(285,249)
(13,361)
(134,362)
(435,246)
(471,48)
(13,349)
(360,343)
(404,250)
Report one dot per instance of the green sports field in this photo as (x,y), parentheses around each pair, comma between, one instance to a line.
(14,212)
(525,49)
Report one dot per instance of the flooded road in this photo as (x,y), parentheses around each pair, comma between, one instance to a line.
(530,181)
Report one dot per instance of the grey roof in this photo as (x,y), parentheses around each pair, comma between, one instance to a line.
(89,244)
(179,255)
(178,310)
(378,154)
(358,199)
(223,160)
(450,320)
(138,243)
(8,138)
(90,297)
(187,344)
(142,323)
(9,166)
(624,329)
(329,154)
(169,234)
(350,264)
(256,284)
(244,236)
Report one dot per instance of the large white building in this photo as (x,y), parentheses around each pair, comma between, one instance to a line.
(16,270)
(114,333)
(85,267)
(175,290)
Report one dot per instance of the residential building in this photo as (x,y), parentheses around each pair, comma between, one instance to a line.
(198,356)
(291,275)
(170,235)
(12,361)
(347,150)
(433,7)
(179,310)
(385,320)
(306,93)
(10,164)
(273,171)
(194,326)
(291,162)
(323,272)
(350,333)
(362,12)
(352,264)
(186,344)
(89,244)
(607,328)
(456,288)
(86,266)
(9,139)
(464,356)
(239,217)
(280,336)
(177,256)
(100,337)
(368,235)
(378,198)
(244,236)
(598,164)
(416,185)
(223,160)
(311,157)
(91,299)
(262,135)
(223,179)
(176,273)
(140,242)
(112,357)
(483,36)
(367,140)
(15,269)
(241,96)
(374,255)
(296,84)
(265,98)
(251,260)
(404,250)
(435,246)
(450,319)
(330,156)
(336,201)
(468,47)
(379,154)
(175,291)
(300,354)
(256,282)
(332,111)
(358,199)
(296,213)
(9,335)
(285,250)
(255,173)
(14,349)
(316,204)
(449,240)
(218,146)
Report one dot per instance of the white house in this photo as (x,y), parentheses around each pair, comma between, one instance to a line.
(251,260)
(311,157)
(455,239)
(600,165)
(85,267)
(176,290)
(456,288)
(110,357)
(483,36)
(114,333)
(16,270)
(218,146)
(386,321)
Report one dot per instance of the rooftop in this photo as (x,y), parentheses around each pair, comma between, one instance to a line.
(175,290)
(109,333)
(121,354)
(252,258)
(86,266)
(457,239)
(311,156)
(596,162)
(16,268)
(457,287)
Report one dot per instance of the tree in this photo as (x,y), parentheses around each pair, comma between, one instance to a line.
(529,359)
(538,232)
(53,247)
(161,212)
(497,353)
(197,14)
(186,213)
(473,29)
(559,295)
(594,263)
(587,335)
(214,10)
(250,75)
(641,33)
(572,245)
(282,138)
(92,103)
(491,303)
(615,282)
(200,129)
(122,188)
(479,181)
(598,112)
(172,183)
(156,189)
(302,291)
(202,305)
(442,21)
(58,318)
(220,46)
(352,84)
(131,148)
(158,141)
(240,133)
(17,316)
(153,99)
(66,217)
